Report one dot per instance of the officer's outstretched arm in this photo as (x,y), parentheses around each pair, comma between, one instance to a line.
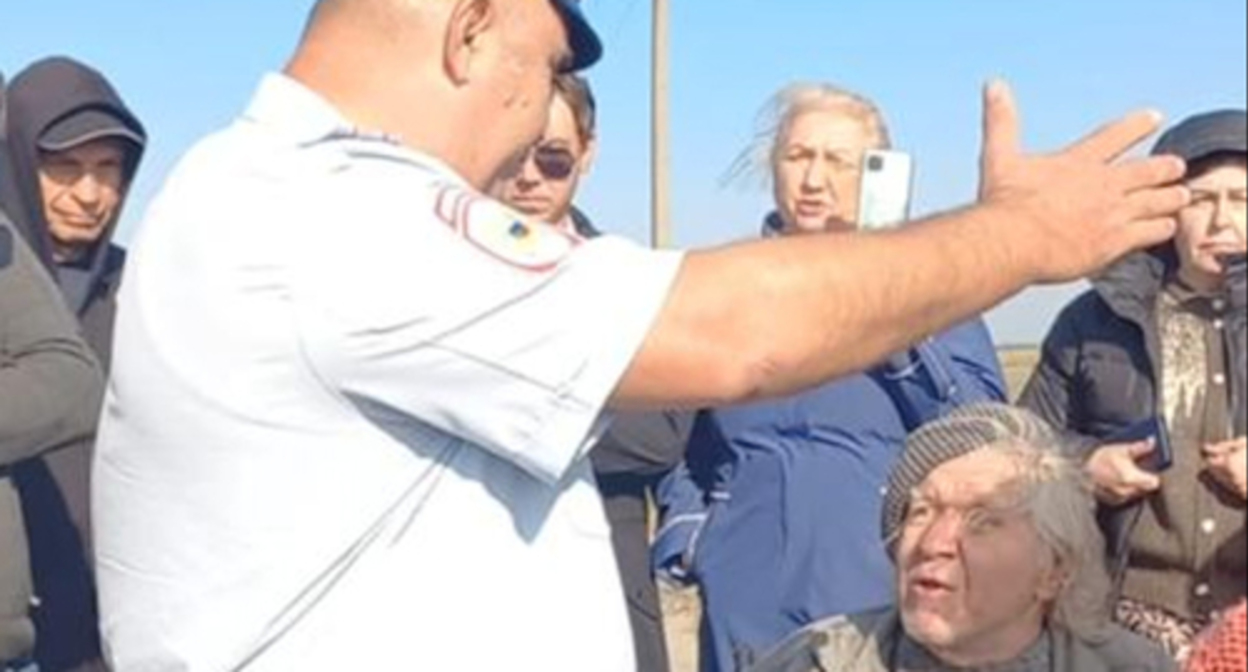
(773,317)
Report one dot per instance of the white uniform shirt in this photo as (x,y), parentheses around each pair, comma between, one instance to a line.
(347,423)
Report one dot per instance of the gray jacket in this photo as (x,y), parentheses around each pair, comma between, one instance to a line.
(50,393)
(867,642)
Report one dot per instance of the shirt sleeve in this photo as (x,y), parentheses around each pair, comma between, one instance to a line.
(446,307)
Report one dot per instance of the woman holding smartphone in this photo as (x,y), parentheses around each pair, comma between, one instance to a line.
(775,513)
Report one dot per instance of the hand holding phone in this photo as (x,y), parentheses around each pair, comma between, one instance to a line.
(885,189)
(1128,466)
(1161,459)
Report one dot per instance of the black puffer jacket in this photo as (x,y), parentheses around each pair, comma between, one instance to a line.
(1101,364)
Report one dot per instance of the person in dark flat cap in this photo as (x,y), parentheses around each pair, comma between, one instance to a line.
(1162,334)
(998,559)
(50,390)
(73,150)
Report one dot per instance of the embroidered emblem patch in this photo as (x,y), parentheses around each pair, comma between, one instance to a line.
(502,233)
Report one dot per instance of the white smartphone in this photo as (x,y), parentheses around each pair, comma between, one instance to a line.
(884,195)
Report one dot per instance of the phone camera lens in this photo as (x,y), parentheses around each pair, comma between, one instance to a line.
(875,164)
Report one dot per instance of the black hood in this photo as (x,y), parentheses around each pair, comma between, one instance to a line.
(1131,286)
(39,97)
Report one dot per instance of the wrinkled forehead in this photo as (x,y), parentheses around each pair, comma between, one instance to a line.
(829,128)
(985,478)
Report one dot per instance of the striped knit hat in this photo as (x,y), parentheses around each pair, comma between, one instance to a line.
(962,432)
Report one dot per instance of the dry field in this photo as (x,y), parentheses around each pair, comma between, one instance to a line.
(682,610)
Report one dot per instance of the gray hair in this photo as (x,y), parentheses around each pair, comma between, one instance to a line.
(773,122)
(1055,494)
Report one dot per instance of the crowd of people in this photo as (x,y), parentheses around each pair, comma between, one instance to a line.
(259,442)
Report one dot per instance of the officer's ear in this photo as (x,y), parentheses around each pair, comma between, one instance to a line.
(472,24)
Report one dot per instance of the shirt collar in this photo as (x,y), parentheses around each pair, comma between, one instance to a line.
(912,657)
(1187,299)
(285,106)
(296,114)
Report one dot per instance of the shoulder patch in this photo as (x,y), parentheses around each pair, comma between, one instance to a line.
(502,233)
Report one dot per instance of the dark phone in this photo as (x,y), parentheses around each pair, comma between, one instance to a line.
(1162,457)
(1234,264)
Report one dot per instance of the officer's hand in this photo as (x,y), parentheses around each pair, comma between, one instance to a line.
(1074,212)
(1227,463)
(1115,471)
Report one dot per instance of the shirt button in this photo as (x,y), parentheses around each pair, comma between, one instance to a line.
(1219,324)
(1219,305)
(1209,526)
(1219,379)
(1203,590)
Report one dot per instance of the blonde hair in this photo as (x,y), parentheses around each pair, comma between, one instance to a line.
(774,121)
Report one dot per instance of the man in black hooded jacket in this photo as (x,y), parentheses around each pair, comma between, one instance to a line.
(50,389)
(74,148)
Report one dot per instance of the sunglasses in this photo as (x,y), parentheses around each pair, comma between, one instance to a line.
(554,163)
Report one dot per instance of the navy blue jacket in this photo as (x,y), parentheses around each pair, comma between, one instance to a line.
(776,512)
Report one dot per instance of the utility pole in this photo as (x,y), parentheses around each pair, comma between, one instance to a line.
(660,218)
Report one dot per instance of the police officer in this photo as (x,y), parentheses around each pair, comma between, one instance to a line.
(351,396)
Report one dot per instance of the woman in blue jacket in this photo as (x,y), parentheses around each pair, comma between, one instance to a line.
(775,514)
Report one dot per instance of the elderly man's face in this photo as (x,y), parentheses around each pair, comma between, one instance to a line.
(817,169)
(975,579)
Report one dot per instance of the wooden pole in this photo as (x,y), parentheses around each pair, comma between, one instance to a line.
(660,220)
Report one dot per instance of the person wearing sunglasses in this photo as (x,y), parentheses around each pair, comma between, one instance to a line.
(544,184)
(640,448)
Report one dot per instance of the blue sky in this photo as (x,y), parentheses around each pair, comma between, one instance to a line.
(188,67)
